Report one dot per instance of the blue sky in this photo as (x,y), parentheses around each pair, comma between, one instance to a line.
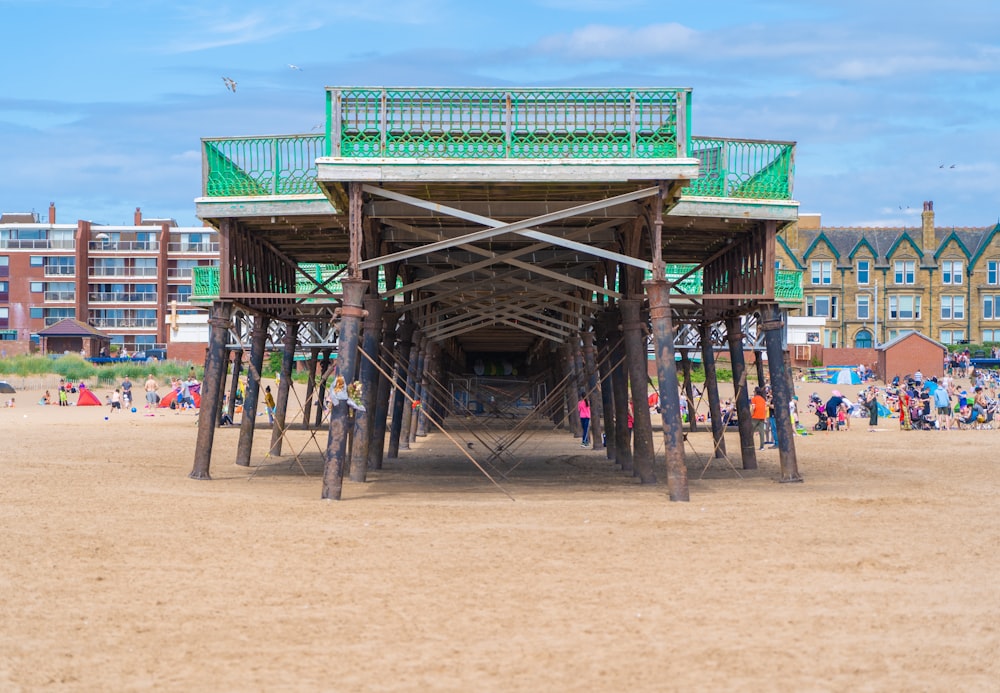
(103,102)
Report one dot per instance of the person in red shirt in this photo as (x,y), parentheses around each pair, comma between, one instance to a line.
(758,414)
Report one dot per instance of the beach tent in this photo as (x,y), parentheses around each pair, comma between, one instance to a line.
(167,399)
(843,375)
(87,398)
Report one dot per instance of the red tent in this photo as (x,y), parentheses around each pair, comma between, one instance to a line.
(87,398)
(172,395)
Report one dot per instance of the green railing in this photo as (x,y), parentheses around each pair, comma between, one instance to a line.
(508,123)
(205,280)
(476,124)
(743,169)
(261,166)
(787,283)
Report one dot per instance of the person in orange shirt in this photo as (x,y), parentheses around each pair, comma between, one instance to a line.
(758,414)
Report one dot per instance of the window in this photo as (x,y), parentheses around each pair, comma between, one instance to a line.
(952,336)
(62,265)
(36,261)
(953,307)
(54,315)
(4,287)
(898,333)
(863,340)
(777,263)
(991,305)
(4,313)
(991,336)
(4,260)
(36,313)
(821,306)
(831,338)
(822,271)
(864,307)
(951,272)
(904,307)
(864,268)
(905,271)
(36,287)
(993,272)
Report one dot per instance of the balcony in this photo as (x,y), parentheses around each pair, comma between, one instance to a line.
(179,272)
(142,272)
(123,323)
(184,298)
(59,296)
(36,244)
(121,297)
(178,247)
(59,270)
(124,246)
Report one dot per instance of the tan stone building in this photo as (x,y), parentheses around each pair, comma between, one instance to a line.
(875,284)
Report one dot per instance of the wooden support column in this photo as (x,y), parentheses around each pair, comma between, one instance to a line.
(594,387)
(734,334)
(324,378)
(222,382)
(605,375)
(689,390)
(419,425)
(670,399)
(572,389)
(619,384)
(380,415)
(773,324)
(758,363)
(310,386)
(281,403)
(347,366)
(712,389)
(411,390)
(368,377)
(234,386)
(215,370)
(258,340)
(399,403)
(642,428)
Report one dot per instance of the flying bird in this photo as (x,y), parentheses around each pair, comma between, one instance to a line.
(294,67)
(230,84)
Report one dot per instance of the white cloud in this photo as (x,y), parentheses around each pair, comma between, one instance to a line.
(599,41)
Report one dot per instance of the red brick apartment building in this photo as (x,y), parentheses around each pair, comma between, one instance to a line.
(131,282)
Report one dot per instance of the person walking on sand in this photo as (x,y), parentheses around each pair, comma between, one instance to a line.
(583,408)
(758,414)
(269,404)
(152,399)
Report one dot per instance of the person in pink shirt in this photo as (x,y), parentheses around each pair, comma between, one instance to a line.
(584,410)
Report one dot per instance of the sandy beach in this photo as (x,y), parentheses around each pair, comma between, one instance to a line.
(880,572)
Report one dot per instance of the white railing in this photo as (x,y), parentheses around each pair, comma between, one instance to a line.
(122,272)
(124,246)
(122,323)
(179,247)
(180,298)
(179,272)
(36,244)
(59,270)
(122,297)
(60,296)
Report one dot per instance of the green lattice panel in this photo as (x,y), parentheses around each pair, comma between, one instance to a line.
(788,286)
(253,166)
(743,169)
(361,123)
(549,124)
(447,124)
(656,124)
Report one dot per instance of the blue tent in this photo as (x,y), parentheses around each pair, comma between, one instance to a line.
(843,375)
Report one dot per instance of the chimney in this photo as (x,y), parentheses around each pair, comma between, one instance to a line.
(52,213)
(138,216)
(928,239)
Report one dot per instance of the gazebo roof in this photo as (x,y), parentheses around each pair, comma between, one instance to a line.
(69,327)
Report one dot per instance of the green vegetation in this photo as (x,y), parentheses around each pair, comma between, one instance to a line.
(74,368)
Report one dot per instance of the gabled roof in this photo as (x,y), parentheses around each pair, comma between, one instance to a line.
(907,335)
(68,327)
(846,242)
